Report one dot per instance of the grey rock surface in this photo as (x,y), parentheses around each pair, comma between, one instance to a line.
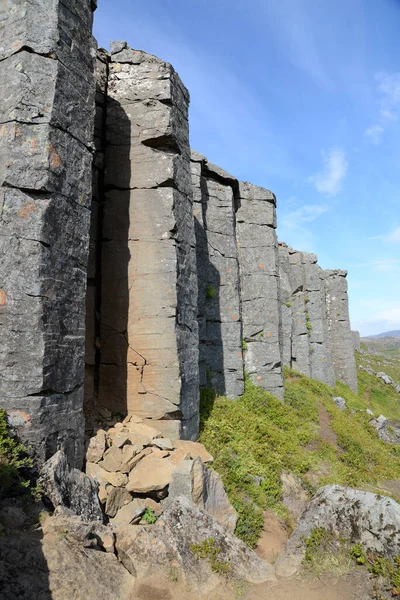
(172,539)
(218,301)
(340,402)
(360,517)
(356,340)
(46,120)
(260,286)
(149,340)
(69,489)
(339,328)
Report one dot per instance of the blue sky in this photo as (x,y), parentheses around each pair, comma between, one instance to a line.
(301,97)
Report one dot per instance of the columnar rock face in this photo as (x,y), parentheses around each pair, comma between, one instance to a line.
(339,328)
(260,287)
(46,123)
(356,340)
(219,301)
(149,338)
(238,289)
(317,339)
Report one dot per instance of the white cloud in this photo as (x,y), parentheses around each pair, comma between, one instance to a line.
(374,133)
(389,88)
(389,104)
(393,236)
(386,264)
(304,214)
(329,181)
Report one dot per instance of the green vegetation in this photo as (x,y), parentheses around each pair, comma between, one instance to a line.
(255,438)
(148,517)
(16,467)
(288,304)
(308,324)
(209,550)
(211,292)
(306,300)
(244,345)
(387,569)
(326,553)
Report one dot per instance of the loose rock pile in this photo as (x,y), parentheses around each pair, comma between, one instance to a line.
(138,471)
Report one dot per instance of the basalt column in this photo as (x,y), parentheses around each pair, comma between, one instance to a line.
(219,304)
(259,287)
(46,122)
(149,337)
(339,328)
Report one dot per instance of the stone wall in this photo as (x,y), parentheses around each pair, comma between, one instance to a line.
(46,123)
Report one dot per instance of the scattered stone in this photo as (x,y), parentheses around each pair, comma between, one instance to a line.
(130,513)
(385,378)
(150,475)
(142,429)
(369,412)
(116,499)
(69,488)
(163,444)
(112,460)
(178,456)
(340,402)
(120,439)
(360,517)
(97,447)
(195,449)
(136,458)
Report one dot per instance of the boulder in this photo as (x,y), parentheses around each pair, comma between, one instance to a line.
(204,487)
(112,460)
(97,447)
(340,402)
(150,475)
(143,549)
(360,517)
(132,512)
(116,499)
(194,449)
(69,488)
(388,431)
(385,378)
(74,529)
(102,477)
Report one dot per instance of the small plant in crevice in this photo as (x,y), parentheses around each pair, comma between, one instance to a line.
(148,517)
(288,304)
(306,300)
(209,551)
(244,345)
(17,475)
(211,292)
(326,553)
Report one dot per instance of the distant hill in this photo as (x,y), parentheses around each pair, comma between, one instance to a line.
(385,334)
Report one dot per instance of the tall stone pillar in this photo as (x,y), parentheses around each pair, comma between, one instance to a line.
(219,303)
(259,287)
(339,328)
(46,121)
(149,336)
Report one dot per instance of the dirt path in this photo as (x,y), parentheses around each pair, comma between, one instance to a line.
(356,585)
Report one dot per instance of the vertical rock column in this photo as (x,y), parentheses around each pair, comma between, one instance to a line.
(93,295)
(219,304)
(339,328)
(46,122)
(259,287)
(300,319)
(149,336)
(321,364)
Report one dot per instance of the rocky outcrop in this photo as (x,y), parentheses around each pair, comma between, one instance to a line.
(46,132)
(149,341)
(356,340)
(135,469)
(359,517)
(185,281)
(178,539)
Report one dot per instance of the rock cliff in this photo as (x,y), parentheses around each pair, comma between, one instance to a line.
(178,262)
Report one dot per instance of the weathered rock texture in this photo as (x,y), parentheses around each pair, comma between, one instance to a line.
(149,341)
(359,517)
(317,340)
(356,340)
(185,281)
(46,123)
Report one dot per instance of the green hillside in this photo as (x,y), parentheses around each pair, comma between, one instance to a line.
(255,438)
